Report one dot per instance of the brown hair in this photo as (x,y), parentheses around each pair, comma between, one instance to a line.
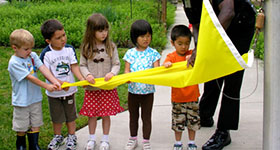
(95,23)
(49,27)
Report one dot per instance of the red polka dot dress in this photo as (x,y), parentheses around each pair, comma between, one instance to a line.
(101,103)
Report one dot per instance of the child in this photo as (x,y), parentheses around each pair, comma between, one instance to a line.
(26,94)
(99,58)
(140,58)
(62,61)
(185,110)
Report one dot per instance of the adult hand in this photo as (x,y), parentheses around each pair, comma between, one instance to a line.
(192,58)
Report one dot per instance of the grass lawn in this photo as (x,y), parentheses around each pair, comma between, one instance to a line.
(8,136)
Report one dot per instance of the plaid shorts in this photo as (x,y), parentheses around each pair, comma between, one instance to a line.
(185,114)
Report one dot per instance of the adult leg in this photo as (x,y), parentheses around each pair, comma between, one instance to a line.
(209,100)
(230,105)
(229,113)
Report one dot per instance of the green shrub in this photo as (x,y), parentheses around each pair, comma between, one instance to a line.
(73,15)
(259,51)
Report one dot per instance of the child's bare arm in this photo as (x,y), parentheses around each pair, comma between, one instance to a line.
(49,76)
(167,64)
(76,71)
(127,67)
(35,80)
(156,63)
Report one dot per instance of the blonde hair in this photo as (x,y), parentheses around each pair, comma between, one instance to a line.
(95,23)
(20,37)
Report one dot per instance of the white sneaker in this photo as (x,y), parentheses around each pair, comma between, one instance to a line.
(90,145)
(192,147)
(104,145)
(56,142)
(147,146)
(71,142)
(178,147)
(131,144)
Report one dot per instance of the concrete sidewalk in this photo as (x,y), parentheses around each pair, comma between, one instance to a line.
(248,137)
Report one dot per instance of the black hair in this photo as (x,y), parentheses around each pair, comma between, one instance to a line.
(138,28)
(180,30)
(49,27)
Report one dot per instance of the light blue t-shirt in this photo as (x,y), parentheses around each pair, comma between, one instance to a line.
(141,60)
(24,92)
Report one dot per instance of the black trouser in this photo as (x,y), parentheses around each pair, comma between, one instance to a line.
(135,101)
(229,111)
(241,35)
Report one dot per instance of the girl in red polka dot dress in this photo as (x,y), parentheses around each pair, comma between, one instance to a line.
(99,58)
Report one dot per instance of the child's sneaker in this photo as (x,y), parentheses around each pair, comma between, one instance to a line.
(56,142)
(131,144)
(192,147)
(90,145)
(104,145)
(147,145)
(71,142)
(178,147)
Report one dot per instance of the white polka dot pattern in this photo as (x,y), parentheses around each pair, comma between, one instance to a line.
(101,103)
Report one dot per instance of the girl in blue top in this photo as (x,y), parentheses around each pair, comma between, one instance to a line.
(141,57)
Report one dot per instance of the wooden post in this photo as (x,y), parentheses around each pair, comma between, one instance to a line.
(130,9)
(163,14)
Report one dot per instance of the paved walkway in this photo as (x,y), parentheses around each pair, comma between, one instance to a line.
(248,137)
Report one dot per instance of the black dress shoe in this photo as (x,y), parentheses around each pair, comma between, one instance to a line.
(218,141)
(206,122)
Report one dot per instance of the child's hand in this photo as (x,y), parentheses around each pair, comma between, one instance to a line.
(51,87)
(188,57)
(167,64)
(90,79)
(67,88)
(58,86)
(108,76)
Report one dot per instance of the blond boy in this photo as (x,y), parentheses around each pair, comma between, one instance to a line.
(26,91)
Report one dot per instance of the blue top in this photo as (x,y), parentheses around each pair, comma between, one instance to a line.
(24,92)
(141,60)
